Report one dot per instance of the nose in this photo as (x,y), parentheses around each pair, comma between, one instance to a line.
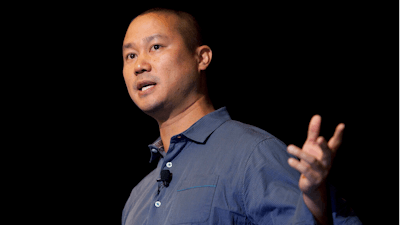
(142,65)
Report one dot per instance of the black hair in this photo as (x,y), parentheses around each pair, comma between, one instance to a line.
(188,26)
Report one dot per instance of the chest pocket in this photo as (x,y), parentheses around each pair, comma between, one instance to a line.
(193,200)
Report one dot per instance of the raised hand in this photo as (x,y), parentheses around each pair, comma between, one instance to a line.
(316,159)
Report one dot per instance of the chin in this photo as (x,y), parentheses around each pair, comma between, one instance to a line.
(151,108)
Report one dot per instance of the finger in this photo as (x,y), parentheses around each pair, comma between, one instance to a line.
(323,145)
(336,140)
(313,128)
(304,169)
(327,153)
(299,153)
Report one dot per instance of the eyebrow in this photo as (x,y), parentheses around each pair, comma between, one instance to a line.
(146,40)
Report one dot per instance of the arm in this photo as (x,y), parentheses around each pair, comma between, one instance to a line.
(316,158)
(270,187)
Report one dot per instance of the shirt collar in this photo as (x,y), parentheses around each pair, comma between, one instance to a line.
(198,132)
(204,127)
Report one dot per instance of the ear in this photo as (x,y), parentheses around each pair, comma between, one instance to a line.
(204,55)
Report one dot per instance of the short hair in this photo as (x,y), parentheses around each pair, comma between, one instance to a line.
(188,26)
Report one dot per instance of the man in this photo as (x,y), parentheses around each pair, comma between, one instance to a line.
(211,169)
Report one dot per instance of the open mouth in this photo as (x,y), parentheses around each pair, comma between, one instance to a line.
(144,85)
(147,87)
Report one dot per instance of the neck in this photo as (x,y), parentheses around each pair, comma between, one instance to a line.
(185,118)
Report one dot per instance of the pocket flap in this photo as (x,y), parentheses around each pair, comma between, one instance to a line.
(193,200)
(198,182)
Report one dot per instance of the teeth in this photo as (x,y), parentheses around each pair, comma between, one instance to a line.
(147,87)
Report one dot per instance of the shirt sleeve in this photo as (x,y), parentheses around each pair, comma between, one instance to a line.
(270,186)
(271,193)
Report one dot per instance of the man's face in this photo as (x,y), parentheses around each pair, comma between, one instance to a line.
(159,71)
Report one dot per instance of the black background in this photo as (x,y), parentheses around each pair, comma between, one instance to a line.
(274,66)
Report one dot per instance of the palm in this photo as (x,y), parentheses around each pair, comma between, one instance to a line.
(316,156)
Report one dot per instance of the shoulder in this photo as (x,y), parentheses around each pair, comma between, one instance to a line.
(241,141)
(245,134)
(255,145)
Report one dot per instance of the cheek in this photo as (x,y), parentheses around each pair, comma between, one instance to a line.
(172,78)
(175,69)
(166,69)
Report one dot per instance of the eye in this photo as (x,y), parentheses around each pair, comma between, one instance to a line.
(156,47)
(131,56)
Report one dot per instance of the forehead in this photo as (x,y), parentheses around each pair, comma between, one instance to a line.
(150,24)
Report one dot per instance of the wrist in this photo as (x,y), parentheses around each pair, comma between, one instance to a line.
(317,203)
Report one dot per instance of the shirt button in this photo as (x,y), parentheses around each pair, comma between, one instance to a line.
(169,164)
(154,150)
(157,204)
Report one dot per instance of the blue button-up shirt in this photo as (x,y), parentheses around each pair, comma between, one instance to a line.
(223,172)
